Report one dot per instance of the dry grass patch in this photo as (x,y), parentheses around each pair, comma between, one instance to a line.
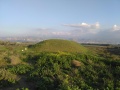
(15,60)
(76,63)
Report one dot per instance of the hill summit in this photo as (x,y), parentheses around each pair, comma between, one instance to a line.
(56,45)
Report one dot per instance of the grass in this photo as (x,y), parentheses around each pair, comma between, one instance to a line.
(62,63)
(10,53)
(56,45)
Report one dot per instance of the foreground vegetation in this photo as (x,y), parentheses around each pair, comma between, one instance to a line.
(31,67)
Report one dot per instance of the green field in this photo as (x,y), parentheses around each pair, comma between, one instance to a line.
(59,65)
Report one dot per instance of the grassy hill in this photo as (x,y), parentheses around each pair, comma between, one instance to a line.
(58,67)
(56,45)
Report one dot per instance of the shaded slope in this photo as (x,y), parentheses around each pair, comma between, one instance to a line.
(56,45)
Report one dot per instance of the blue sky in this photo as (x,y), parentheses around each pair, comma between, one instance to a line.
(58,16)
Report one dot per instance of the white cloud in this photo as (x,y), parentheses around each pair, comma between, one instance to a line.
(84,28)
(48,32)
(78,25)
(116,28)
(94,32)
(84,25)
(61,33)
(111,34)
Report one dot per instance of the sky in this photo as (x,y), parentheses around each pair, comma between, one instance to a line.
(72,18)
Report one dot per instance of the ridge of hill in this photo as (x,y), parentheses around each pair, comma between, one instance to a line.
(56,45)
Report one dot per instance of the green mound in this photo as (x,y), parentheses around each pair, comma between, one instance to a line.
(56,45)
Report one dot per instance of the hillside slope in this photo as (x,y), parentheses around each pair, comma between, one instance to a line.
(56,45)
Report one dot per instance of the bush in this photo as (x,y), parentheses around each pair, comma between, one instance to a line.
(7,78)
(20,68)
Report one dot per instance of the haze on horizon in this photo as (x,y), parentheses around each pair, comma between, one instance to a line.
(95,19)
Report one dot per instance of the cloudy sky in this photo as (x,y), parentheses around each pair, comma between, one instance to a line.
(72,18)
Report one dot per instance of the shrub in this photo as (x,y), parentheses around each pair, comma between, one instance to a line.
(20,68)
(7,78)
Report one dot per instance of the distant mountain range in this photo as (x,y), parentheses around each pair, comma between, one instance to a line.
(79,40)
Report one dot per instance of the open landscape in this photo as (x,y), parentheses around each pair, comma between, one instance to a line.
(57,64)
(59,45)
